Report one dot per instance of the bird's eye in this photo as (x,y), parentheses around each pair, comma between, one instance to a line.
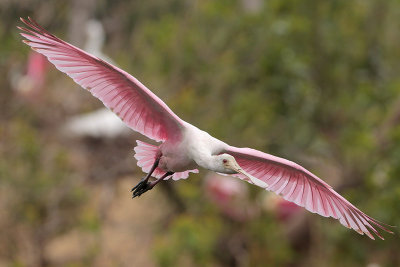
(224,161)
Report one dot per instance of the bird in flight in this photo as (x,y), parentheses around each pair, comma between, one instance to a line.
(184,147)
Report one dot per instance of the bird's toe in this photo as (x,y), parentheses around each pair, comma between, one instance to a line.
(139,185)
(142,187)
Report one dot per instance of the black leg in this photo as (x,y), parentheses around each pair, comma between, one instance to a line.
(144,187)
(155,165)
(144,181)
(152,184)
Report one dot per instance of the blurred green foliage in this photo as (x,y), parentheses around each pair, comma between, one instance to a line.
(313,81)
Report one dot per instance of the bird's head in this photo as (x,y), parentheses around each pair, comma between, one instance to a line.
(228,165)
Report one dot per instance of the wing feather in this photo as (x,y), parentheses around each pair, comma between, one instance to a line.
(298,185)
(118,90)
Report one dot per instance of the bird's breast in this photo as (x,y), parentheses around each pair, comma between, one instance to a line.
(175,158)
(195,148)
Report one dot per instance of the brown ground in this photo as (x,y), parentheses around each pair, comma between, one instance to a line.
(125,236)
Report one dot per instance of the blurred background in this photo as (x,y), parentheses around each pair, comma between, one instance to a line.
(316,82)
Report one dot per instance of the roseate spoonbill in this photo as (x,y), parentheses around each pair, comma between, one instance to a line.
(230,196)
(283,209)
(185,147)
(30,85)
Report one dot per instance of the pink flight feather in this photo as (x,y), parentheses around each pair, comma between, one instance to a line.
(135,104)
(298,185)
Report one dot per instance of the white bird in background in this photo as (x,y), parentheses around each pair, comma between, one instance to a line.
(101,123)
(95,40)
(184,147)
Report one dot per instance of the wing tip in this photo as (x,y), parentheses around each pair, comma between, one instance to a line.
(33,26)
(26,22)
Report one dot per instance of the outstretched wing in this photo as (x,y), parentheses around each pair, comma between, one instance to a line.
(135,104)
(298,185)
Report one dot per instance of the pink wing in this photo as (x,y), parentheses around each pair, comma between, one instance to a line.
(298,185)
(136,105)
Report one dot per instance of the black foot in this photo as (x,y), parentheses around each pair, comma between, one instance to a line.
(142,187)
